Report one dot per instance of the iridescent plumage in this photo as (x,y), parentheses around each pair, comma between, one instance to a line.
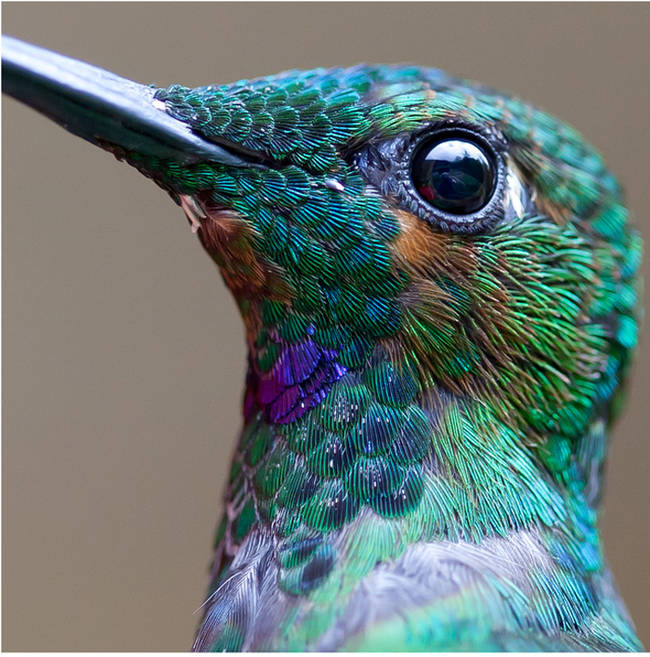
(427,408)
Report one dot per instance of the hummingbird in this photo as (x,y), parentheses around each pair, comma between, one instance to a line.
(439,287)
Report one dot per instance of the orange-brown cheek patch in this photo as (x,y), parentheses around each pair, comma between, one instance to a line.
(428,252)
(416,244)
(229,240)
(456,306)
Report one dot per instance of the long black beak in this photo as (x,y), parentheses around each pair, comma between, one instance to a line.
(102,107)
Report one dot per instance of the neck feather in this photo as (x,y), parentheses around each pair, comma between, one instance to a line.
(323,443)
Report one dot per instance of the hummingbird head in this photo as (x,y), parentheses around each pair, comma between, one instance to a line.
(422,235)
(477,243)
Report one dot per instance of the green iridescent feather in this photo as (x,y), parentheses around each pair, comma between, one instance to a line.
(475,377)
(439,286)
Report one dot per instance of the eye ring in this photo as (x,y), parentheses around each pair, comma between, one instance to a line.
(469,170)
(386,164)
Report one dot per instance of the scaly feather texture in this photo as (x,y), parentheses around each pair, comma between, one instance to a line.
(428,402)
(426,412)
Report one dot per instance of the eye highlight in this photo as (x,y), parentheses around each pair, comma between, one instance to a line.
(454,173)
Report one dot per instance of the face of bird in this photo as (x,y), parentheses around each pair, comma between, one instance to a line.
(477,243)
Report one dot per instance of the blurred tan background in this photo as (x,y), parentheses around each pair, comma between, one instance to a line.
(123,353)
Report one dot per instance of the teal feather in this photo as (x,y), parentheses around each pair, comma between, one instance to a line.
(429,394)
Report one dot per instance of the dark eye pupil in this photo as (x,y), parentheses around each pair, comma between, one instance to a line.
(453,174)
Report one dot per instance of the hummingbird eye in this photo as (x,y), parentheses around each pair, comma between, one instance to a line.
(454,173)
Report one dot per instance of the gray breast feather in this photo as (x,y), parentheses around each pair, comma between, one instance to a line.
(491,585)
